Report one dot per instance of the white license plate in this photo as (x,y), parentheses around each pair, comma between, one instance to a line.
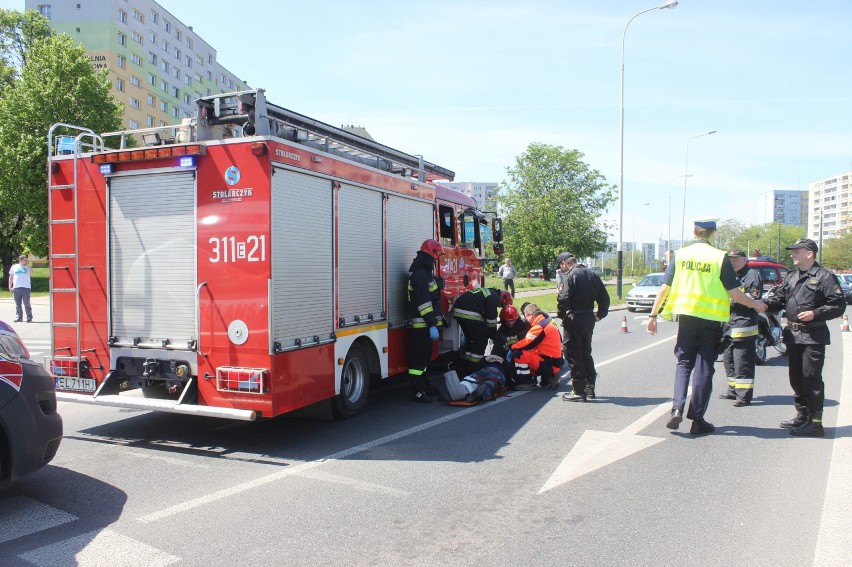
(76,384)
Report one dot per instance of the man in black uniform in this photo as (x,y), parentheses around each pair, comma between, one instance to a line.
(476,312)
(739,356)
(512,329)
(579,290)
(424,313)
(810,295)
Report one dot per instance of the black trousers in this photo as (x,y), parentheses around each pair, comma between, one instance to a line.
(579,345)
(507,283)
(806,362)
(739,359)
(476,339)
(419,357)
(695,349)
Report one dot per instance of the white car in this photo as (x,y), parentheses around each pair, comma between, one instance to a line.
(643,294)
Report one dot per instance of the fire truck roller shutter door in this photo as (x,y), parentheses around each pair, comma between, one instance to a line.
(410,222)
(359,260)
(302,259)
(152,243)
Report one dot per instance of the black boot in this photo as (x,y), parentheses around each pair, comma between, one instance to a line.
(800,419)
(811,428)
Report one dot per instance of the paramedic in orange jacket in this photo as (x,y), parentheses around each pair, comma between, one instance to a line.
(539,353)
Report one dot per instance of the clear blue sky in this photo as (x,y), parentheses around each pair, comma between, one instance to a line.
(469,84)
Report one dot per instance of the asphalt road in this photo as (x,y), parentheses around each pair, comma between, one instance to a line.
(527,480)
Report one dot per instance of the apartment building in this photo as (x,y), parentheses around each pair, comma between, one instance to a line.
(829,209)
(785,207)
(157,65)
(482,193)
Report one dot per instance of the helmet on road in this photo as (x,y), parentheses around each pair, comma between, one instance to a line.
(432,247)
(506,298)
(508,314)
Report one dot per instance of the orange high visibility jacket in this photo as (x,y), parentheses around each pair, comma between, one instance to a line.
(543,338)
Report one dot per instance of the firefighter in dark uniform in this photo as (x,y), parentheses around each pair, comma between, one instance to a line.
(579,290)
(699,285)
(424,313)
(810,295)
(739,356)
(476,312)
(512,329)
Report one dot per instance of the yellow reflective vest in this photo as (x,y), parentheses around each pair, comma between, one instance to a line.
(697,289)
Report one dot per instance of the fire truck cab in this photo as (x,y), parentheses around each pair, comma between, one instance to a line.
(247,263)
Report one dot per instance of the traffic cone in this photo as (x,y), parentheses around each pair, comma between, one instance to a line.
(624,324)
(844,326)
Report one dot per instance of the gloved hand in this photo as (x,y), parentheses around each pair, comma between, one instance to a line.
(509,355)
(433,333)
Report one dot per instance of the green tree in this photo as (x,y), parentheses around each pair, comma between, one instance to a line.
(759,239)
(55,84)
(552,202)
(837,252)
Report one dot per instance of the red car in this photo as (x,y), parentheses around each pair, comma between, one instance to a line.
(772,272)
(30,427)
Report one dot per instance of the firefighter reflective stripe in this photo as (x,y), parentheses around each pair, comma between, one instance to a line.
(433,287)
(425,308)
(465,314)
(743,383)
(523,371)
(409,223)
(491,322)
(420,323)
(473,357)
(743,332)
(152,243)
(416,372)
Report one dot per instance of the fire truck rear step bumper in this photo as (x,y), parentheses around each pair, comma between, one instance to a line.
(167,406)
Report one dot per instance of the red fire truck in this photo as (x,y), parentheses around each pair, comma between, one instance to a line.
(248,263)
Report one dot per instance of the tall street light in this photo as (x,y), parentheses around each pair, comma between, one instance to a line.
(669,4)
(685,177)
(669,242)
(633,252)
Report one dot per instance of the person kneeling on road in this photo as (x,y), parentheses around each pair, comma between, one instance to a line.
(539,353)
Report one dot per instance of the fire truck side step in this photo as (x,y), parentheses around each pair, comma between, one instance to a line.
(63,221)
(62,186)
(65,324)
(63,255)
(65,290)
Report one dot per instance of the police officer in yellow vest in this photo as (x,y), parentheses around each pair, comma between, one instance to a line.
(700,282)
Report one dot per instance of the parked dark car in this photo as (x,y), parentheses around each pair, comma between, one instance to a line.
(845,283)
(30,427)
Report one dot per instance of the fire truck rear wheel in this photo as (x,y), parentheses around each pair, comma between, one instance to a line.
(354,383)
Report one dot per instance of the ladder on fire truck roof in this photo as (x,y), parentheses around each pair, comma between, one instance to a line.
(81,139)
(250,110)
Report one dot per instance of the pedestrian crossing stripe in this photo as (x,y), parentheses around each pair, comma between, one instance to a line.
(22,516)
(97,548)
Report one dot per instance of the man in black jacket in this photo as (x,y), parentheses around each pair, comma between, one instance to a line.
(579,290)
(810,296)
(476,313)
(424,313)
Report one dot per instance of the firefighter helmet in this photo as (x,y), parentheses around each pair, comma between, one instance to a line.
(505,298)
(508,314)
(432,247)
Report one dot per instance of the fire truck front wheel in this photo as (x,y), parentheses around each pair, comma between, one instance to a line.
(354,383)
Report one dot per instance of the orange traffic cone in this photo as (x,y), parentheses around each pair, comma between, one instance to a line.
(844,326)
(624,324)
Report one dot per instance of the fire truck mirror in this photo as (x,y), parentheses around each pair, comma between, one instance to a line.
(497,230)
(498,249)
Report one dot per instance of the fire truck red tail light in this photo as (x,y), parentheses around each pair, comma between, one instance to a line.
(258,149)
(242,380)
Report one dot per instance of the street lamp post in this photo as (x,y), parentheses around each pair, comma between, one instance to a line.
(669,243)
(633,252)
(620,260)
(685,177)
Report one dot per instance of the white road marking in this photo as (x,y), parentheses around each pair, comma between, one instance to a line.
(834,547)
(354,483)
(100,548)
(21,516)
(632,352)
(301,468)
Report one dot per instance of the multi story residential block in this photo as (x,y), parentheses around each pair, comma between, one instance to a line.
(157,65)
(483,192)
(829,210)
(785,207)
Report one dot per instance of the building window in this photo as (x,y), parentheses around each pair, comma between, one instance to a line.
(164,66)
(152,37)
(137,15)
(199,78)
(163,123)
(122,16)
(164,86)
(151,100)
(136,59)
(187,79)
(189,61)
(210,76)
(149,120)
(189,42)
(176,73)
(119,84)
(44,10)
(177,34)
(164,106)
(134,80)
(121,61)
(152,80)
(178,54)
(175,111)
(135,103)
(167,26)
(175,92)
(134,125)
(122,39)
(152,58)
(154,17)
(137,37)
(166,46)
(199,60)
(187,99)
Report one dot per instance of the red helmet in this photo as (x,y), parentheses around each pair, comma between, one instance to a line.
(432,247)
(505,298)
(508,314)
